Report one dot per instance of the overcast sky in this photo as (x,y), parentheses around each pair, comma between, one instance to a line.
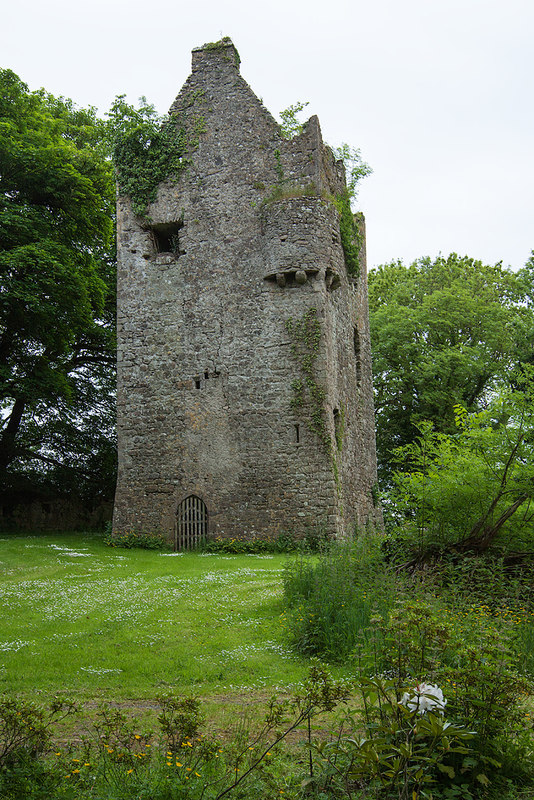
(437,94)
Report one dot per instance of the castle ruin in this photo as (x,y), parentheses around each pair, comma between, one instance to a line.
(245,403)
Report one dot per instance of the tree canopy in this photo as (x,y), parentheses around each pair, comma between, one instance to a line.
(444,332)
(472,490)
(56,289)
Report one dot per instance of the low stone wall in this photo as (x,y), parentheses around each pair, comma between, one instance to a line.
(53,514)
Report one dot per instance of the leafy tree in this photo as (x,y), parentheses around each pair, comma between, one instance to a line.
(444,332)
(474,489)
(56,292)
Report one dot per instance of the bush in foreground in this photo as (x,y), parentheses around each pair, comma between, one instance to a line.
(404,634)
(120,760)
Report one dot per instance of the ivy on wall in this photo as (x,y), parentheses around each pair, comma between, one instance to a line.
(351,240)
(309,397)
(148,149)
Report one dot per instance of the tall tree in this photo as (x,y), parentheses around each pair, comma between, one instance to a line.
(444,332)
(56,289)
(472,490)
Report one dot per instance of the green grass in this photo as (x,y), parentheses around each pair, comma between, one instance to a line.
(99,623)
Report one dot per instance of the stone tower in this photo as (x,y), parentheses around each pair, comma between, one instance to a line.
(245,401)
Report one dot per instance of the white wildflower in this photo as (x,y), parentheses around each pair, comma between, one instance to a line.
(168,555)
(424,697)
(101,671)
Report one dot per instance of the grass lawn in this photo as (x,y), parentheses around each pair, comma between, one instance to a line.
(98,623)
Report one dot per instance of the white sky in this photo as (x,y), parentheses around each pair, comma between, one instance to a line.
(438,94)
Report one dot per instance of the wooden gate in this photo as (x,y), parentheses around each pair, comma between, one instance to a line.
(191,523)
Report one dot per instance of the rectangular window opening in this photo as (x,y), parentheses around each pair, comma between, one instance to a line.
(167,238)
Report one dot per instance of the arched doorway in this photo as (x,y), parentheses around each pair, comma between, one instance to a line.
(191,523)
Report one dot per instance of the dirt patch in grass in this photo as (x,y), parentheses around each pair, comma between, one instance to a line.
(225,713)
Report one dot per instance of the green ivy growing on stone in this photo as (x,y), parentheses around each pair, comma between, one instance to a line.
(351,240)
(147,149)
(308,395)
(279,168)
(288,191)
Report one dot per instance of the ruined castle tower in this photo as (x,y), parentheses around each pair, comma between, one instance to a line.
(245,402)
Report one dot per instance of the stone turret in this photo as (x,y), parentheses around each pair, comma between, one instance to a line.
(244,371)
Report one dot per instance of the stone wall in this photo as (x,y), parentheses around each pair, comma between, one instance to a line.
(27,513)
(206,363)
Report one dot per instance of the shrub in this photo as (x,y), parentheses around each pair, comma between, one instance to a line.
(25,733)
(145,541)
(31,778)
(471,491)
(330,601)
(312,541)
(406,750)
(120,761)
(487,586)
(470,656)
(180,721)
(25,727)
(482,746)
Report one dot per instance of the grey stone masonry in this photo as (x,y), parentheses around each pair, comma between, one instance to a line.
(244,364)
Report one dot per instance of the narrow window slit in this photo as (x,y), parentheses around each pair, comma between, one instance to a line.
(338,429)
(297,434)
